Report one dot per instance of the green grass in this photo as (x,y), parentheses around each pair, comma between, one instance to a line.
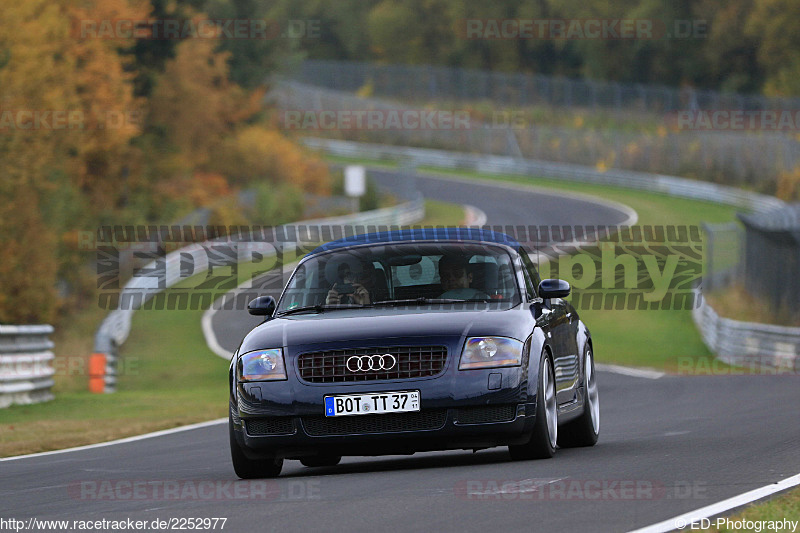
(786,506)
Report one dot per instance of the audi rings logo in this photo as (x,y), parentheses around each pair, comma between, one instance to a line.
(367,363)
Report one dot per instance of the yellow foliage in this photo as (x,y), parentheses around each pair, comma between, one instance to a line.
(195,102)
(632,149)
(207,187)
(366,90)
(788,188)
(257,154)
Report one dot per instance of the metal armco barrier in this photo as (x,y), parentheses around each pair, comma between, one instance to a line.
(114,330)
(659,183)
(746,343)
(26,374)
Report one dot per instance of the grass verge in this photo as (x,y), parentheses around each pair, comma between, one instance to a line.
(785,506)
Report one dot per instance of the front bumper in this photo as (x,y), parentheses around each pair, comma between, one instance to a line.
(459,410)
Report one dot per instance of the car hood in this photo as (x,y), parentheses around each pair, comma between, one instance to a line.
(383,326)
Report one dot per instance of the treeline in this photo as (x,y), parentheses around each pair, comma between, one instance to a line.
(98,130)
(750,46)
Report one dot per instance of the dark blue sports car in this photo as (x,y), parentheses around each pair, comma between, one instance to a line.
(410,341)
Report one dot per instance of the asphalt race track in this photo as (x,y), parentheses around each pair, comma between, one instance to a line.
(667,446)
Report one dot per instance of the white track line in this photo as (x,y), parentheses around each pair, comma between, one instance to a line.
(629,212)
(208,332)
(121,441)
(686,519)
(630,371)
(475,216)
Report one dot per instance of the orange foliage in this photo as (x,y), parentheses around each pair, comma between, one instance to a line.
(789,185)
(195,102)
(257,154)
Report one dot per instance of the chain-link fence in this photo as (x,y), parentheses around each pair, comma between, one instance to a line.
(724,249)
(416,83)
(725,157)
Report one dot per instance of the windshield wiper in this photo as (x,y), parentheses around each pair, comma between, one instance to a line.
(419,301)
(320,308)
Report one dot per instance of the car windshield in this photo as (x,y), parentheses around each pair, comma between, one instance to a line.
(443,274)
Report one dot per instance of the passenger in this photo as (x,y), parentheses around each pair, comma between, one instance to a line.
(456,278)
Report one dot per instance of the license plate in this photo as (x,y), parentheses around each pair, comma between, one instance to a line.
(372,403)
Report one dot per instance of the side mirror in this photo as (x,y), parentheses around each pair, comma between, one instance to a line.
(553,288)
(261,306)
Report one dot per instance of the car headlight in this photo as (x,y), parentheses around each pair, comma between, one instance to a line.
(262,365)
(490,352)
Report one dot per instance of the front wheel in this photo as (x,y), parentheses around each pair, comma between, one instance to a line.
(542,444)
(584,431)
(247,468)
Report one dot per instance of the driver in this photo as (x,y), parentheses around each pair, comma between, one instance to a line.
(362,284)
(456,278)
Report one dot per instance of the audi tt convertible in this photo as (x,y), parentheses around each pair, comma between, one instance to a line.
(409,341)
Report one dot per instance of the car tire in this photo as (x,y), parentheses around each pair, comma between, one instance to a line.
(542,444)
(321,460)
(247,468)
(585,430)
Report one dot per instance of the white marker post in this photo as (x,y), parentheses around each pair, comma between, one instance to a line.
(355,183)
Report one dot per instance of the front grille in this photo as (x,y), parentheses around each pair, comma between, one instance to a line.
(486,414)
(412,362)
(429,419)
(274,425)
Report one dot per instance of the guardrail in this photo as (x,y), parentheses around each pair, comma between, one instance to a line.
(26,374)
(114,330)
(748,343)
(659,183)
